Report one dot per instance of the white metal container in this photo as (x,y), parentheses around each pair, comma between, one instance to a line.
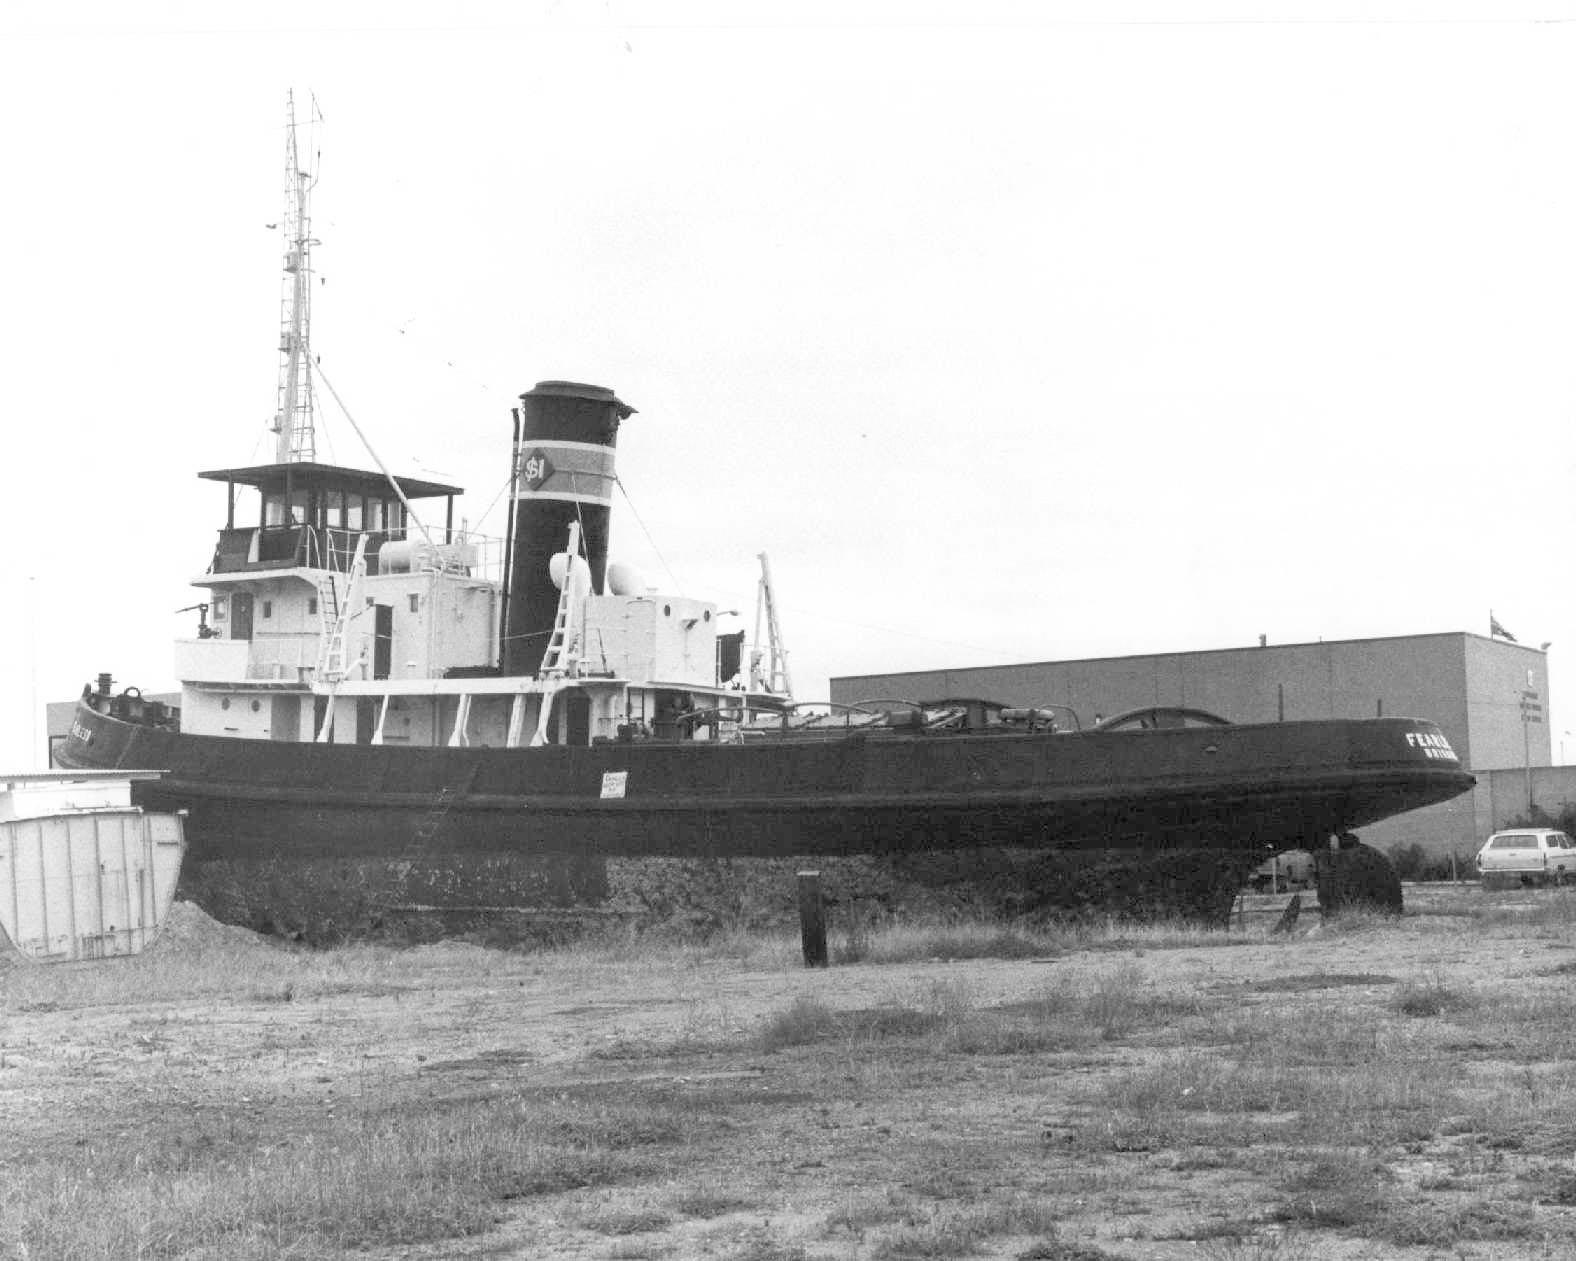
(84,874)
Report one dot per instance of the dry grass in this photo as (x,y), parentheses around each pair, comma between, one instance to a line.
(1130,1090)
(203,1182)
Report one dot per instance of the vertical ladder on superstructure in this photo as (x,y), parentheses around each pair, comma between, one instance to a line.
(331,660)
(563,645)
(331,663)
(327,613)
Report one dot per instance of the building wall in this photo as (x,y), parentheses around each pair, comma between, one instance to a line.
(1506,797)
(1422,676)
(1471,686)
(1507,697)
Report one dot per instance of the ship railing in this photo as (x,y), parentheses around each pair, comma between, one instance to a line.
(334,548)
(461,554)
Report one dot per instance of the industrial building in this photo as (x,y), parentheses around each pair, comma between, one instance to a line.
(1489,695)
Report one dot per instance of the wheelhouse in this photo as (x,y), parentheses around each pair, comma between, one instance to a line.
(307,515)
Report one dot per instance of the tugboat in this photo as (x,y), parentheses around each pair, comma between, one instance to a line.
(384,715)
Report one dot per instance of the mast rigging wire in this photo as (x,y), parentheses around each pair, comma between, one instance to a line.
(410,512)
(635,512)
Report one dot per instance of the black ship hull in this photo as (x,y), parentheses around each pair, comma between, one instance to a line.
(308,837)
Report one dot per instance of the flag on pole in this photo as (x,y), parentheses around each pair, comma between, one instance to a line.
(1495,630)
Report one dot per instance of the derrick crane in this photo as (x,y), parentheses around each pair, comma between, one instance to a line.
(774,677)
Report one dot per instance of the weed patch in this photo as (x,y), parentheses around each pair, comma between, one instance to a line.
(802,1022)
(1335,1191)
(953,1232)
(1303,982)
(1431,997)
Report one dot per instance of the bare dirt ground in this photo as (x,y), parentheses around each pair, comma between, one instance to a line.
(870,1142)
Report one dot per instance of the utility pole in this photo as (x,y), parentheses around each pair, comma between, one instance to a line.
(1531,711)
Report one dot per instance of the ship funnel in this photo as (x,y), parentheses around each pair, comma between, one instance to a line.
(563,473)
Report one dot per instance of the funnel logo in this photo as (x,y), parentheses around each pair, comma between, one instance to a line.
(535,469)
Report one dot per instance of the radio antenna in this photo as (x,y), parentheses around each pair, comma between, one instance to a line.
(293,416)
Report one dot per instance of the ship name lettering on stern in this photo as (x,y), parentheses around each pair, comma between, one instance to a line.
(1432,744)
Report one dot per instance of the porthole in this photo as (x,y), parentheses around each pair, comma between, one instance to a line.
(256,705)
(225,703)
(707,615)
(667,610)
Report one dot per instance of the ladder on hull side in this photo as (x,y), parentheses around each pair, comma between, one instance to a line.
(442,802)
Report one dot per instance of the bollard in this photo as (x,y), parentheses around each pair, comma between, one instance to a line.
(812,919)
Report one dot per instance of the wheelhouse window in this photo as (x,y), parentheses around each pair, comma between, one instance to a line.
(274,509)
(375,516)
(334,509)
(221,607)
(353,514)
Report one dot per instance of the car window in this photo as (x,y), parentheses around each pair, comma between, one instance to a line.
(1514,840)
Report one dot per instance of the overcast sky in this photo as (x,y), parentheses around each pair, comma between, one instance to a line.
(1010,331)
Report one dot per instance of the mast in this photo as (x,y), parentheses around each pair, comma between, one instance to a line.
(293,416)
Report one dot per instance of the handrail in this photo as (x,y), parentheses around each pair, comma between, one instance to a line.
(332,548)
(890,700)
(1148,717)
